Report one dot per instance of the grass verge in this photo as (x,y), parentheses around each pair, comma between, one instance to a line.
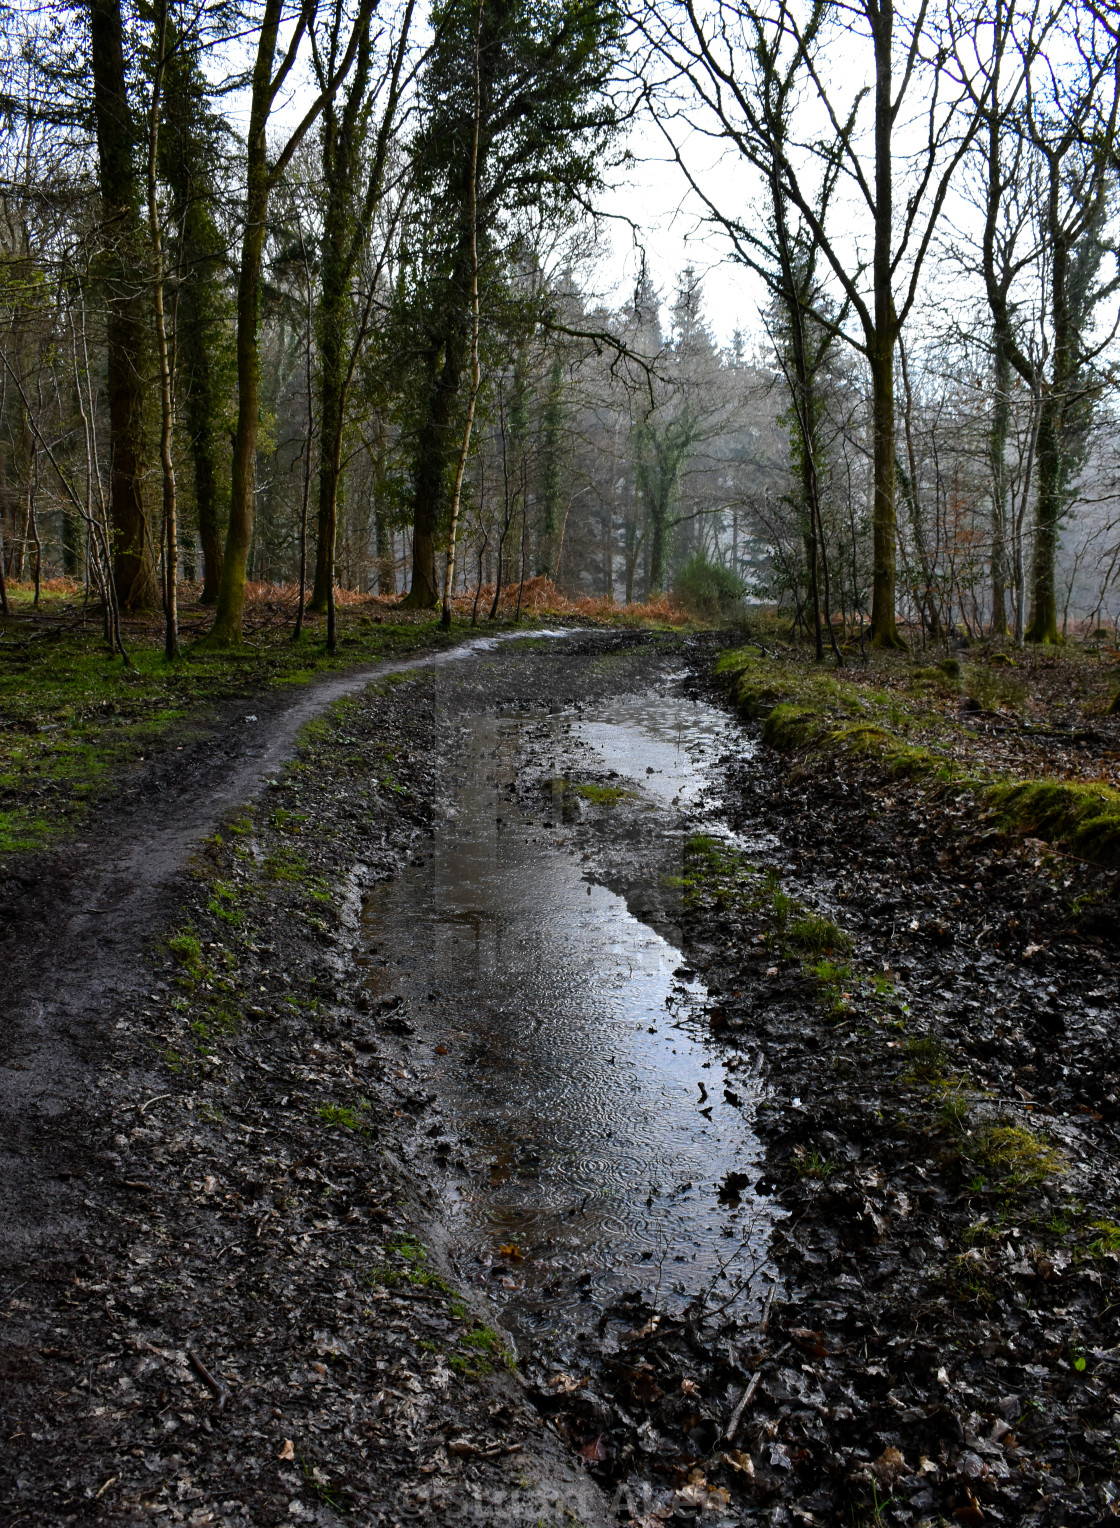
(908,736)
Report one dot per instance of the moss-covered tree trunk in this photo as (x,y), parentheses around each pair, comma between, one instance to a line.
(997,464)
(433,452)
(239,534)
(203,317)
(122,267)
(341,146)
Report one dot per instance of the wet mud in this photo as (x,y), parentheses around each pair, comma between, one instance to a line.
(485,1032)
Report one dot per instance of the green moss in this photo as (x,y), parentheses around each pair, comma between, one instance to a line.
(1083,818)
(806,710)
(603,795)
(1015,1157)
(790,726)
(1107,1239)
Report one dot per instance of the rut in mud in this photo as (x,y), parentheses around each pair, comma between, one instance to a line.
(584,1131)
(536,999)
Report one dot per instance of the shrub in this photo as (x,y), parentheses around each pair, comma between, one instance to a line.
(709,590)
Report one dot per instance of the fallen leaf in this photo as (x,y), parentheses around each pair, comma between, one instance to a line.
(595,1450)
(690,1387)
(813,1342)
(512,1250)
(441,1050)
(970,1512)
(564,1384)
(741,1462)
(890,1466)
(289,1450)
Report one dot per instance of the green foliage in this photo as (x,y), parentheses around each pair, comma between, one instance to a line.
(709,590)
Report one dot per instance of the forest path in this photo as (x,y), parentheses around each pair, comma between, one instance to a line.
(83,930)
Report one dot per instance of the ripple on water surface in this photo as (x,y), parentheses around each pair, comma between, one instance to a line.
(601,1129)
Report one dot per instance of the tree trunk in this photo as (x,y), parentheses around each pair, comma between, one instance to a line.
(202,309)
(884,630)
(343,132)
(239,535)
(432,451)
(1043,624)
(550,470)
(133,572)
(657,539)
(997,458)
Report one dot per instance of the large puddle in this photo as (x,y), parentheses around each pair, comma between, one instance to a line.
(588,1141)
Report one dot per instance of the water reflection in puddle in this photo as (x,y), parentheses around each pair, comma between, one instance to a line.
(588,1130)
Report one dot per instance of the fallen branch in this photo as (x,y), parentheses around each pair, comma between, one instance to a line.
(215,1386)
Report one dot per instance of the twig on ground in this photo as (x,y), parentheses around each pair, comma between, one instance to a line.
(215,1386)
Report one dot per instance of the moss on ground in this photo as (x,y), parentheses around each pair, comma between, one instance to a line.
(72,720)
(813,711)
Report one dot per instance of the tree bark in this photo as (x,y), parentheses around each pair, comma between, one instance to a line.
(133,565)
(430,469)
(997,458)
(202,309)
(884,630)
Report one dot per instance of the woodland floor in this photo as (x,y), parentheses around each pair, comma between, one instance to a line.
(224,1288)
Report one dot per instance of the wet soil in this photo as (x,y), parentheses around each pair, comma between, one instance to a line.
(254,1268)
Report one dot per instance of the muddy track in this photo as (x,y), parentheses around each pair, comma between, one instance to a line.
(144,1196)
(225,1158)
(79,920)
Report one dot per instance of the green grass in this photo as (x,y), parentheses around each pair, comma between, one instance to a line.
(602,795)
(338,1114)
(815,936)
(73,720)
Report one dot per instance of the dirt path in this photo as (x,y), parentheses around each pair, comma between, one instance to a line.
(134,1083)
(81,921)
(229,1292)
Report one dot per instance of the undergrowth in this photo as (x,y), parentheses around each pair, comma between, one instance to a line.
(809,710)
